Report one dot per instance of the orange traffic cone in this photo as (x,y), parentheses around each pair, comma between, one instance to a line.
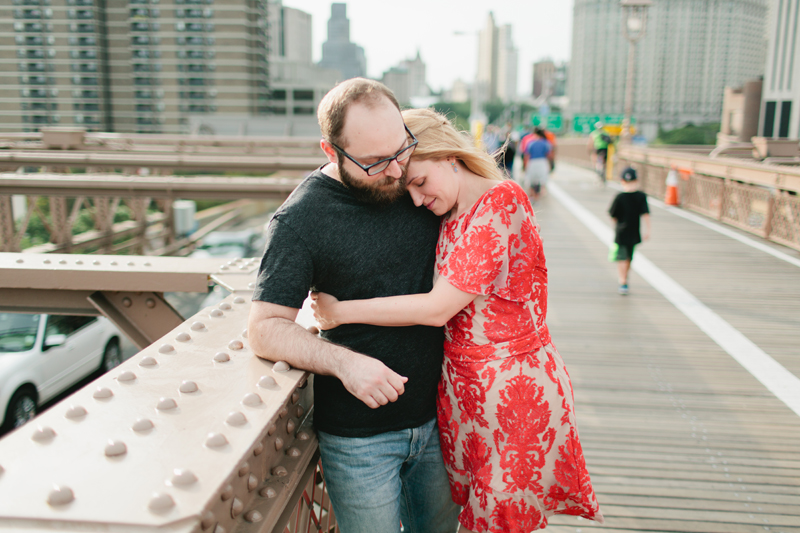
(671,196)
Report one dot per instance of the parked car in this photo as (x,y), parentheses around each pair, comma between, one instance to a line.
(43,355)
(241,243)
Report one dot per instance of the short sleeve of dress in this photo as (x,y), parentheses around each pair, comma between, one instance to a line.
(496,247)
(287,268)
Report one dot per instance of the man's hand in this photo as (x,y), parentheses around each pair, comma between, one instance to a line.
(371,381)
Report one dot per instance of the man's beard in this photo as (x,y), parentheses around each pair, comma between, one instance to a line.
(382,192)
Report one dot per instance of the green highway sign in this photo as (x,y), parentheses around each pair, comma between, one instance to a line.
(552,122)
(585,123)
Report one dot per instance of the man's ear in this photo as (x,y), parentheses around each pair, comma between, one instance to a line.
(330,151)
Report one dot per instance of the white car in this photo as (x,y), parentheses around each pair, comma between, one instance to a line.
(43,355)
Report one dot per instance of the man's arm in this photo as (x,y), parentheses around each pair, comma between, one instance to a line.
(274,335)
(646,218)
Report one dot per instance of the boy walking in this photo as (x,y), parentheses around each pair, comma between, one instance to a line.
(626,210)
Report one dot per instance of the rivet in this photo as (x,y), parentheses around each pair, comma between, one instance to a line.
(148,361)
(231,262)
(115,448)
(198,326)
(252,483)
(295,397)
(224,267)
(127,375)
(183,337)
(150,303)
(131,263)
(166,348)
(43,434)
(303,435)
(298,411)
(251,285)
(244,469)
(216,313)
(75,411)
(259,449)
(181,477)
(147,264)
(244,333)
(283,412)
(126,302)
(278,443)
(227,493)
(78,262)
(236,418)
(95,263)
(268,492)
(165,404)
(243,267)
(222,357)
(142,424)
(47,261)
(160,502)
(208,520)
(236,507)
(272,429)
(290,426)
(60,495)
(225,306)
(102,393)
(236,345)
(113,263)
(281,366)
(267,382)
(20,261)
(252,399)
(188,386)
(279,471)
(216,440)
(238,300)
(62,262)
(253,516)
(293,452)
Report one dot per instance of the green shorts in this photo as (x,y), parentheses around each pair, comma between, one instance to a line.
(621,252)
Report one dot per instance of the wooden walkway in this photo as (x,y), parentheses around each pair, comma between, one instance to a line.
(678,436)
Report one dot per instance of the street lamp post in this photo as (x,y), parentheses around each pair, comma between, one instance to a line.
(634,24)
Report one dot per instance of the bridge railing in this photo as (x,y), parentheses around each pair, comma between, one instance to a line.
(192,434)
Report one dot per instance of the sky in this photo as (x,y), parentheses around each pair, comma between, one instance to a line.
(446,33)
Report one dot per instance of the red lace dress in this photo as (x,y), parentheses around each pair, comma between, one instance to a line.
(506,418)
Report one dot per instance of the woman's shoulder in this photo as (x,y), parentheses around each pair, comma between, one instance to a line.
(505,198)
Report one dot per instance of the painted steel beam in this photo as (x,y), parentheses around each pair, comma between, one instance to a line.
(194,433)
(116,185)
(143,317)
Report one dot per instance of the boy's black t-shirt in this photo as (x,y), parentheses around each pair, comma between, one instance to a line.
(627,208)
(323,239)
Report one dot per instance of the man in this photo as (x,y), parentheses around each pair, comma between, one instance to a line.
(350,230)
(599,140)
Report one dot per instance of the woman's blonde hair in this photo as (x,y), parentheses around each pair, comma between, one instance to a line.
(439,139)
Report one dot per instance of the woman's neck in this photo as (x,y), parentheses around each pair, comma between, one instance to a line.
(471,188)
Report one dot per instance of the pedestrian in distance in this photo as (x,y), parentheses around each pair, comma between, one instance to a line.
(505,403)
(599,140)
(349,229)
(536,164)
(627,208)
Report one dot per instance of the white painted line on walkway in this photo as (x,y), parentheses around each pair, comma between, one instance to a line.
(719,229)
(774,376)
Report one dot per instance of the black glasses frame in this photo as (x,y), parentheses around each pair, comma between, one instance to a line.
(369,169)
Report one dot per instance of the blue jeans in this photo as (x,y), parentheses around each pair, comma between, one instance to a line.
(377,482)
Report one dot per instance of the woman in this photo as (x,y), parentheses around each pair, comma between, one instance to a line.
(505,404)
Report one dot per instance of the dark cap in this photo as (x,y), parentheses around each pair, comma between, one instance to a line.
(629,174)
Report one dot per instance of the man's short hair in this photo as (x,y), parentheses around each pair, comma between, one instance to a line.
(333,107)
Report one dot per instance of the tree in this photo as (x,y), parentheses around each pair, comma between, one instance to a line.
(457,112)
(689,134)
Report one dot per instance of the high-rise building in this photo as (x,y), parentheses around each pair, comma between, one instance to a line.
(497,63)
(780,107)
(407,80)
(338,52)
(132,65)
(544,74)
(691,51)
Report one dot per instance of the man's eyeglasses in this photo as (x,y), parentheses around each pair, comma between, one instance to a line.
(380,166)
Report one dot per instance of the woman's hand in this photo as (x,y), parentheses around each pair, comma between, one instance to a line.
(324,306)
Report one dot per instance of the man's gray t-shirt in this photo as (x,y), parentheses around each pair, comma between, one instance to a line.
(323,239)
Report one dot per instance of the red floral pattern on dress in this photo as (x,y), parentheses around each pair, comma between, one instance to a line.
(506,408)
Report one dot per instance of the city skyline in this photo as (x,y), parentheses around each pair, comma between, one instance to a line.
(447,36)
